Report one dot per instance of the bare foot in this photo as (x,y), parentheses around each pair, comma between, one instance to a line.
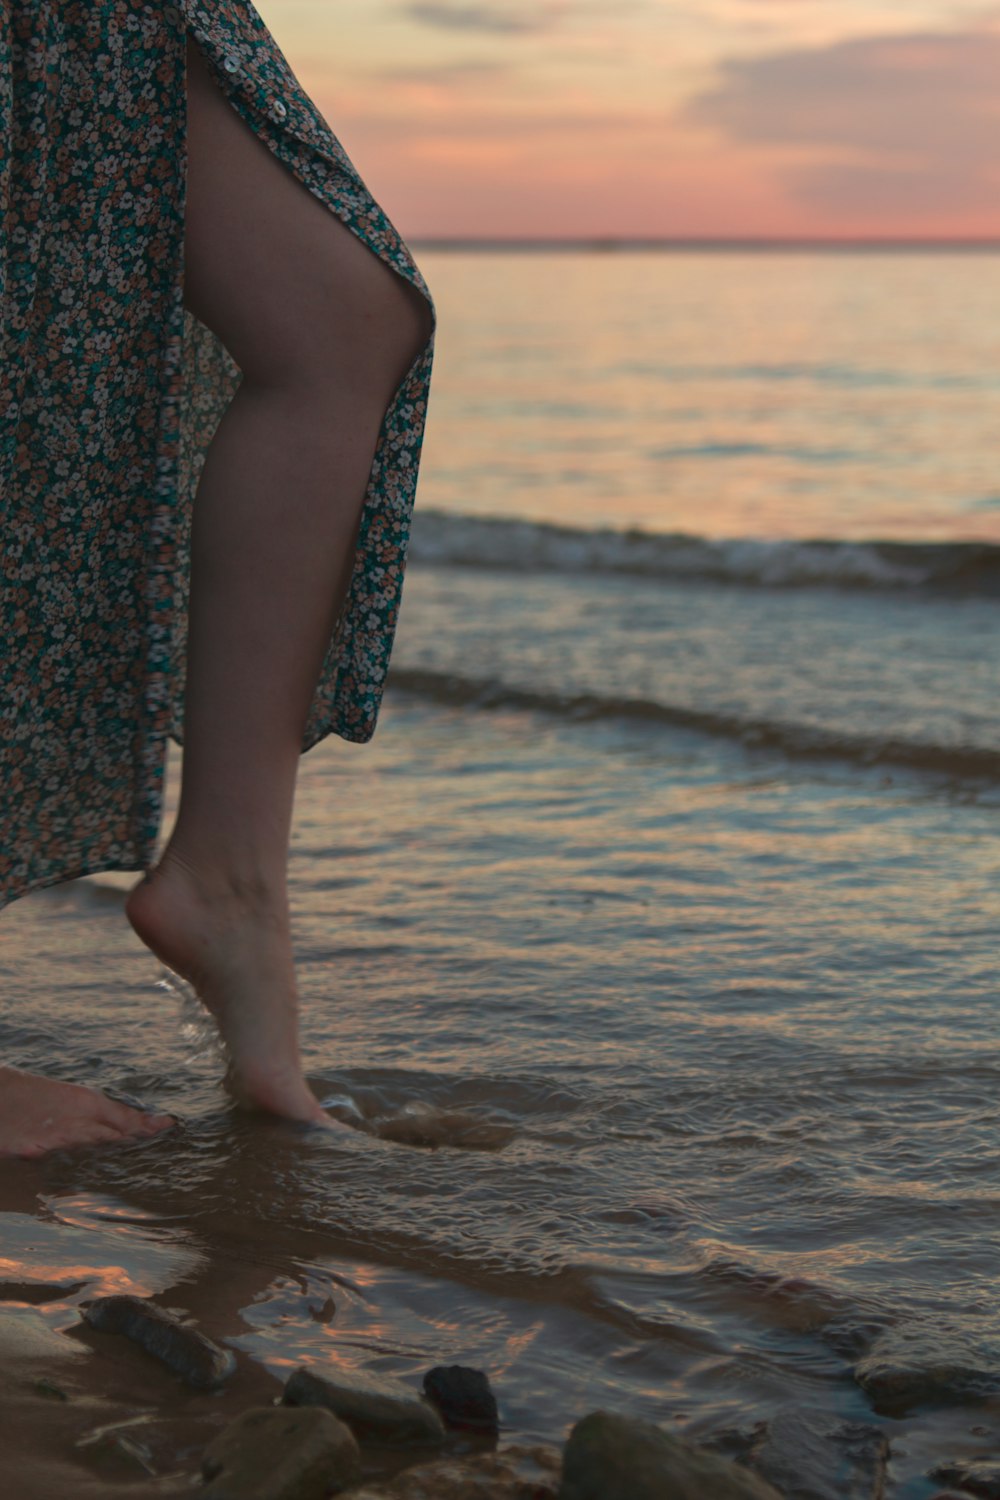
(233,945)
(39,1115)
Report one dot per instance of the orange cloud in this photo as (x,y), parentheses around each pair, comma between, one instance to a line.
(662,117)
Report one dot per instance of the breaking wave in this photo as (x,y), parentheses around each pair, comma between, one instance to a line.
(450,540)
(964,762)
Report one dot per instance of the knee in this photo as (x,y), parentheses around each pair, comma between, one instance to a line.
(356,340)
(399,325)
(371,345)
(422,316)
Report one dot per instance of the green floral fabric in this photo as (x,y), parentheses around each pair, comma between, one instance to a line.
(110,393)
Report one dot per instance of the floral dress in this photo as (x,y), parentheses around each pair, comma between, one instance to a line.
(110,393)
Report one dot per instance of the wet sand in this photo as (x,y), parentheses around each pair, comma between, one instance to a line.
(90,1414)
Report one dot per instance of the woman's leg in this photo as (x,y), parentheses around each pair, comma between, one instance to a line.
(323,333)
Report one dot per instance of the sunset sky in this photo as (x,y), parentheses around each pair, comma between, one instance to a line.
(640,118)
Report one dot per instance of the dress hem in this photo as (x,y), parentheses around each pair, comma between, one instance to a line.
(46,882)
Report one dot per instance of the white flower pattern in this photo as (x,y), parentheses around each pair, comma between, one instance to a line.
(110,393)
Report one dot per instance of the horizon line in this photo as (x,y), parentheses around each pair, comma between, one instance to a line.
(608,242)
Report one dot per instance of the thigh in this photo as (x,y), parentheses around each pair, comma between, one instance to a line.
(293,294)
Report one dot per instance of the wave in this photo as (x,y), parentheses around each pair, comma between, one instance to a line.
(449,540)
(800,741)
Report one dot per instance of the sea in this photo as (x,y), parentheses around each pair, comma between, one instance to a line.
(651,944)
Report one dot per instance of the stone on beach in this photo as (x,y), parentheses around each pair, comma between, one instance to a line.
(463,1397)
(611,1457)
(975,1476)
(196,1359)
(906,1367)
(375,1407)
(514,1473)
(278,1453)
(809,1455)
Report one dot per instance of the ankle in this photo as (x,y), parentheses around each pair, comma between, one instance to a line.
(246,882)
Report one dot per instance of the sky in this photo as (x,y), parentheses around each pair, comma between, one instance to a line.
(661,118)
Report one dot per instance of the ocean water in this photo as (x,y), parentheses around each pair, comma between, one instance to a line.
(651,944)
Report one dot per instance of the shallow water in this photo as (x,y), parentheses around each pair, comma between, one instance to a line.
(708,1040)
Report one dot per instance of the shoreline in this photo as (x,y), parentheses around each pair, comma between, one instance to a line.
(99,1417)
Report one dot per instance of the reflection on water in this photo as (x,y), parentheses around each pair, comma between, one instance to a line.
(735,395)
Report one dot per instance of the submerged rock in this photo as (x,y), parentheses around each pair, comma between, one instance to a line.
(807,1455)
(515,1473)
(196,1359)
(976,1476)
(373,1406)
(463,1397)
(906,1367)
(732,1442)
(276,1453)
(421,1124)
(609,1457)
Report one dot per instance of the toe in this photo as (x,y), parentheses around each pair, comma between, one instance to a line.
(121,1117)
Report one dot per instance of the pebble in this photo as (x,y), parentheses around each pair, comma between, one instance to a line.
(277,1453)
(196,1359)
(463,1397)
(610,1457)
(375,1407)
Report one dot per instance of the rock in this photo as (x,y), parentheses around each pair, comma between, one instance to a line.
(276,1453)
(977,1476)
(463,1397)
(196,1359)
(421,1124)
(850,1335)
(374,1407)
(323,1312)
(808,1455)
(732,1442)
(515,1473)
(609,1457)
(908,1366)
